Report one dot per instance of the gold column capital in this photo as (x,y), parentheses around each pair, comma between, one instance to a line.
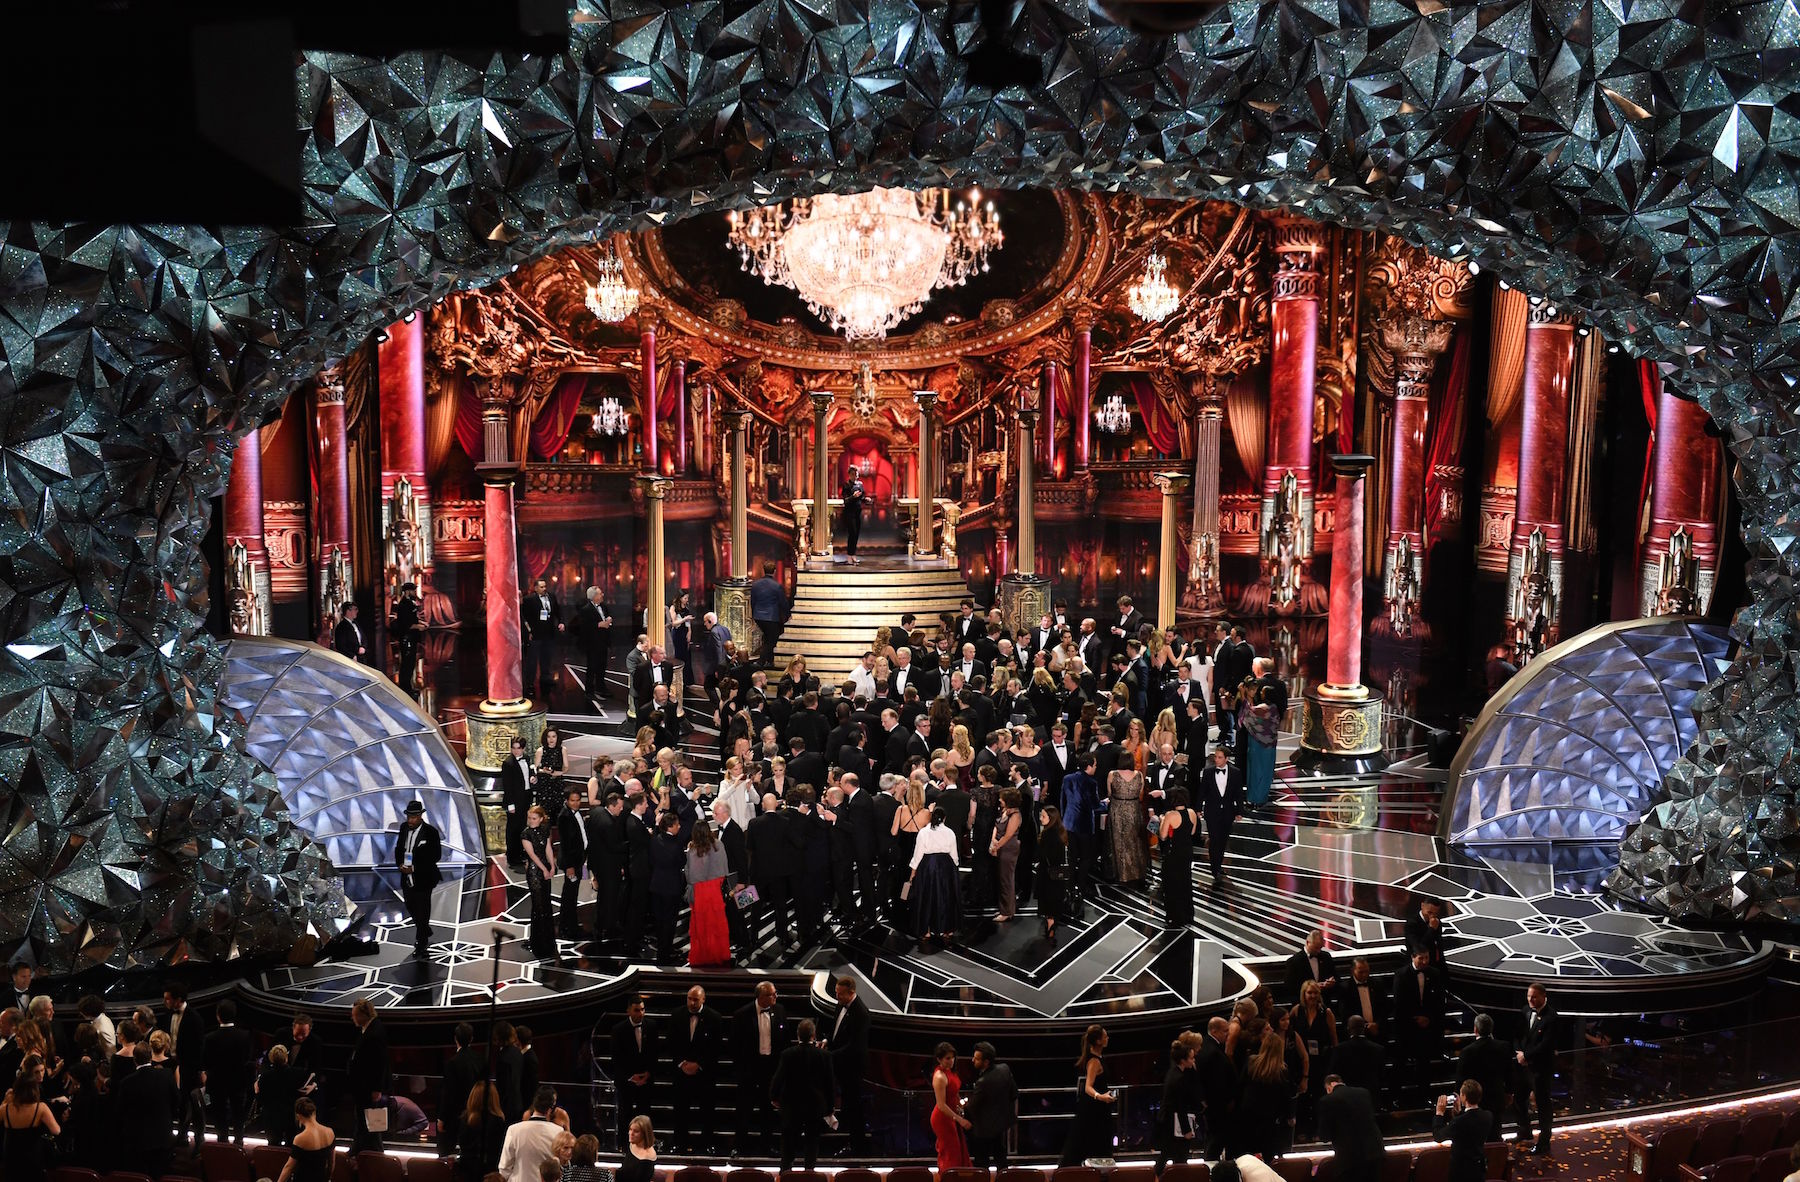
(1171,483)
(655,487)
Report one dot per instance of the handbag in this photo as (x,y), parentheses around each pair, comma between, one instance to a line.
(746,898)
(906,890)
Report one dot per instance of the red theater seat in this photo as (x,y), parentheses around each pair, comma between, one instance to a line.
(266,1161)
(855,1175)
(1734,1169)
(1396,1167)
(224,1163)
(1076,1174)
(1759,1132)
(1499,1161)
(1432,1164)
(756,1176)
(73,1174)
(1772,1166)
(1194,1171)
(1133,1174)
(1715,1143)
(906,1174)
(429,1169)
(1294,1169)
(343,1167)
(706,1174)
(965,1174)
(379,1167)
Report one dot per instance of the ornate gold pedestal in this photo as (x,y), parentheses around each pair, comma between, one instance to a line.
(731,600)
(1023,600)
(492,726)
(1340,735)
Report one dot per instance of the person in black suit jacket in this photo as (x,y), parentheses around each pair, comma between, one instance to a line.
(774,850)
(737,864)
(1125,627)
(635,825)
(540,623)
(187,1029)
(1365,997)
(606,857)
(1162,776)
(633,1063)
(1177,1117)
(1490,1062)
(759,1033)
(852,758)
(817,860)
(571,855)
(696,1033)
(593,627)
(654,670)
(802,1089)
(347,638)
(803,766)
(1313,962)
(1358,1059)
(856,817)
(417,849)
(509,1072)
(847,1038)
(668,883)
(466,1068)
(1537,1055)
(1417,1029)
(1346,1119)
(967,625)
(1216,1076)
(146,1102)
(369,1075)
(1220,794)
(229,1056)
(1468,1127)
(895,740)
(516,793)
(1425,930)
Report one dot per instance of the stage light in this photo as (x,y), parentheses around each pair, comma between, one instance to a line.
(381,336)
(1475,269)
(410,317)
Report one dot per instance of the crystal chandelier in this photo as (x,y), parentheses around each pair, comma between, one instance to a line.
(1113,417)
(866,261)
(1152,297)
(612,299)
(611,418)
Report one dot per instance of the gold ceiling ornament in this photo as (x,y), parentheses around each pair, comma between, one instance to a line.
(612,297)
(862,392)
(864,262)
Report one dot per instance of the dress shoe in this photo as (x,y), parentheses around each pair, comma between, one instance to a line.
(1540,1151)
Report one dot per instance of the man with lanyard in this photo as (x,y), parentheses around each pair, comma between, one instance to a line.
(854,497)
(541,621)
(416,855)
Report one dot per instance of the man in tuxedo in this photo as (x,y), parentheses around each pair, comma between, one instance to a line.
(774,849)
(1359,1059)
(593,627)
(1364,997)
(1178,691)
(1193,733)
(1425,931)
(1055,760)
(409,635)
(229,1055)
(804,766)
(466,1068)
(894,742)
(1468,1125)
(737,864)
(1091,647)
(1229,670)
(768,611)
(656,669)
(571,855)
(1313,963)
(370,1072)
(516,782)
(1040,639)
(1537,1055)
(993,1108)
(1080,802)
(808,724)
(21,986)
(903,675)
(1217,1077)
(347,638)
(1130,620)
(1162,775)
(1346,1119)
(1221,798)
(1489,1061)
(540,623)
(851,757)
(970,665)
(633,1063)
(1418,1015)
(187,1030)
(696,1036)
(847,1038)
(606,857)
(853,494)
(635,825)
(417,850)
(759,1033)
(802,1089)
(856,818)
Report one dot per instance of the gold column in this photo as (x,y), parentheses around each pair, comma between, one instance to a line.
(654,489)
(737,427)
(1171,484)
(821,516)
(924,536)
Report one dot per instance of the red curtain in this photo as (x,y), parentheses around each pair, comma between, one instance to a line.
(1161,426)
(1445,432)
(1650,388)
(468,418)
(556,417)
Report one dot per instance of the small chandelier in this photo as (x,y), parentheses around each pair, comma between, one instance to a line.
(864,262)
(611,418)
(612,299)
(1113,417)
(1153,297)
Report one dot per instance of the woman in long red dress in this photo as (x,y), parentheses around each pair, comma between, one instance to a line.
(709,935)
(947,1123)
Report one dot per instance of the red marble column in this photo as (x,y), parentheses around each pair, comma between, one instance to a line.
(1684,494)
(244,515)
(334,477)
(1082,414)
(647,344)
(1343,655)
(505,682)
(678,380)
(1543,448)
(401,369)
(1293,366)
(1048,405)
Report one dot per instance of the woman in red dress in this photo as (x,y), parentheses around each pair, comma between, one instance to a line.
(947,1123)
(709,936)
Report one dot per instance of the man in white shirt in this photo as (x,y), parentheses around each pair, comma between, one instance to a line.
(529,1143)
(863,678)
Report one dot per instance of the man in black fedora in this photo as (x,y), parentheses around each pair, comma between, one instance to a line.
(416,854)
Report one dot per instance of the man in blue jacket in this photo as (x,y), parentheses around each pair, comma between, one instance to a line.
(1081,818)
(769,611)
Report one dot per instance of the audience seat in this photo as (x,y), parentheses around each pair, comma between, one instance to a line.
(1196,1171)
(979,1174)
(430,1169)
(763,1176)
(850,1175)
(343,1166)
(124,1176)
(220,1162)
(1773,1165)
(379,1167)
(1432,1164)
(266,1161)
(1026,1174)
(1067,1174)
(1758,1135)
(684,1174)
(1656,1155)
(1294,1169)
(1790,1129)
(73,1174)
(802,1176)
(176,1178)
(1133,1174)
(1715,1143)
(1499,1161)
(1396,1167)
(1733,1169)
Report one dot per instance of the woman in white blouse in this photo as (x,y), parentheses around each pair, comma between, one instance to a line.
(936,903)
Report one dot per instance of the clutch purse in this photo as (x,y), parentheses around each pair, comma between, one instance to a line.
(906,890)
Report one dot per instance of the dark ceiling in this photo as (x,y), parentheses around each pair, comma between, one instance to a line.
(1030,219)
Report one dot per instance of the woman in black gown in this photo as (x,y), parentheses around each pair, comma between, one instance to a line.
(1175,840)
(1052,868)
(1091,1136)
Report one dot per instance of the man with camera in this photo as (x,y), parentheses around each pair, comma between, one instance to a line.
(1462,1121)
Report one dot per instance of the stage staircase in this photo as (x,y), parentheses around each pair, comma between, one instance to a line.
(838,609)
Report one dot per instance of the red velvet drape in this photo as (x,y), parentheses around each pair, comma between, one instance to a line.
(556,417)
(1445,431)
(1160,425)
(538,556)
(468,418)
(1650,389)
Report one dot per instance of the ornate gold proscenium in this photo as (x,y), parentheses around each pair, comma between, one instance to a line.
(1535,601)
(1284,542)
(1401,591)
(1677,576)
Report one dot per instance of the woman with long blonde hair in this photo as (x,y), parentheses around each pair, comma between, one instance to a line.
(1165,732)
(962,757)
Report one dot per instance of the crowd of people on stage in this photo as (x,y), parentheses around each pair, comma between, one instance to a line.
(970,772)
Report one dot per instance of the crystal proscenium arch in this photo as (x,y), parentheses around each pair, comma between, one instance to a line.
(349,750)
(1616,164)
(1577,745)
